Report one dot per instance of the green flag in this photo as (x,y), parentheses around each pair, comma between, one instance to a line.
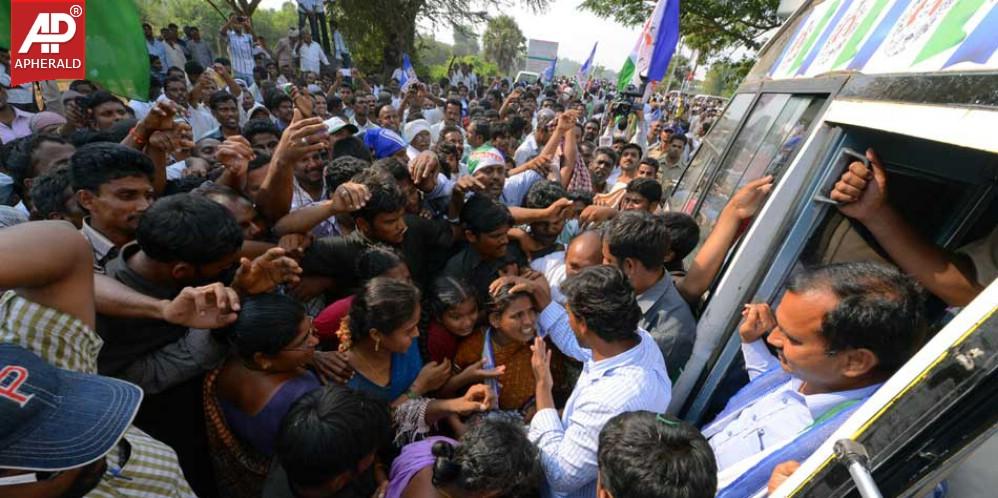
(117,58)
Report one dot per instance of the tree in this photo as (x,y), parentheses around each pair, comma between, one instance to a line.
(706,25)
(725,75)
(503,42)
(244,7)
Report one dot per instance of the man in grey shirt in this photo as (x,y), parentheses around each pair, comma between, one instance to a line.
(637,242)
(198,49)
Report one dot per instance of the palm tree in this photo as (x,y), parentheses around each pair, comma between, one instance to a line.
(503,42)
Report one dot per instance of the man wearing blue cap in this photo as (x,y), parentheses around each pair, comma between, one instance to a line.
(58,426)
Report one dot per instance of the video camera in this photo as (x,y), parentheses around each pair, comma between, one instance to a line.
(625,103)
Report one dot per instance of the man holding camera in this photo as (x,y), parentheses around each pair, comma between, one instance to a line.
(239,32)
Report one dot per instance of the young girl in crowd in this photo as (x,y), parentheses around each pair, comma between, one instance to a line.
(380,341)
(505,346)
(248,396)
(494,458)
(453,313)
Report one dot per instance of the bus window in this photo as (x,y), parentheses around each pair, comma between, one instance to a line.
(766,145)
(710,149)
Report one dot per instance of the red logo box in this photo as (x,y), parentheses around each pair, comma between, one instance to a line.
(48,40)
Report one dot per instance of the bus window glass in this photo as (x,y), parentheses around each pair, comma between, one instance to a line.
(711,147)
(766,145)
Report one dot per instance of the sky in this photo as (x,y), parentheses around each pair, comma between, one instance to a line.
(574,30)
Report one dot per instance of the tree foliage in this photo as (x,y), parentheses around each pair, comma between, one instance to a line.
(465,41)
(503,42)
(725,75)
(709,26)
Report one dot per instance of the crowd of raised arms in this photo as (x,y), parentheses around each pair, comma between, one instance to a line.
(281,277)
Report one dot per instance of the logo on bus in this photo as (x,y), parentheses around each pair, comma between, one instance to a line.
(50,40)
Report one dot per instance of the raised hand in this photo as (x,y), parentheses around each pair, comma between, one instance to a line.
(540,362)
(302,137)
(349,197)
(757,320)
(207,307)
(266,272)
(862,191)
(749,199)
(432,377)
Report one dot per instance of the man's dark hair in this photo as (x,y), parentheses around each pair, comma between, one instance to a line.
(21,158)
(456,102)
(516,125)
(49,193)
(256,127)
(328,432)
(175,79)
(351,147)
(498,129)
(680,137)
(394,167)
(448,129)
(646,187)
(95,164)
(275,99)
(684,234)
(584,196)
(543,193)
(385,194)
(602,298)
(76,84)
(639,235)
(190,229)
(220,97)
(612,154)
(482,129)
(880,309)
(194,69)
(341,170)
(223,61)
(650,161)
(648,455)
(631,145)
(483,215)
(101,97)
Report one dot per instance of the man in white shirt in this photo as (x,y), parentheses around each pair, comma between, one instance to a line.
(840,331)
(622,371)
(311,54)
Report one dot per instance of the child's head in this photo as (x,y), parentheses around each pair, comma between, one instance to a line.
(380,261)
(453,305)
(512,314)
(684,234)
(647,455)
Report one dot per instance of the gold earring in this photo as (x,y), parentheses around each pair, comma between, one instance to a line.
(377,344)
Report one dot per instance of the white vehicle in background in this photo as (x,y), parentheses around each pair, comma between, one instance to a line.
(526,77)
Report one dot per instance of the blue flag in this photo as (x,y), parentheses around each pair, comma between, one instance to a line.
(408,73)
(549,72)
(666,36)
(583,73)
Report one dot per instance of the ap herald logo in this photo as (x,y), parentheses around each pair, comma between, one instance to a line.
(49,40)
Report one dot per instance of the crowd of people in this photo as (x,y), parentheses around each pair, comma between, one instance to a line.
(278,276)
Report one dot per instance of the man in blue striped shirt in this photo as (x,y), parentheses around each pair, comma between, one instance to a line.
(623,370)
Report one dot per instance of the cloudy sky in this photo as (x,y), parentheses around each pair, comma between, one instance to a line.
(574,30)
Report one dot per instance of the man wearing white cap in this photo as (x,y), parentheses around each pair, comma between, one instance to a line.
(417,136)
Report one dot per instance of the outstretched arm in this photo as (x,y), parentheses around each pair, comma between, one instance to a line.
(863,194)
(49,263)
